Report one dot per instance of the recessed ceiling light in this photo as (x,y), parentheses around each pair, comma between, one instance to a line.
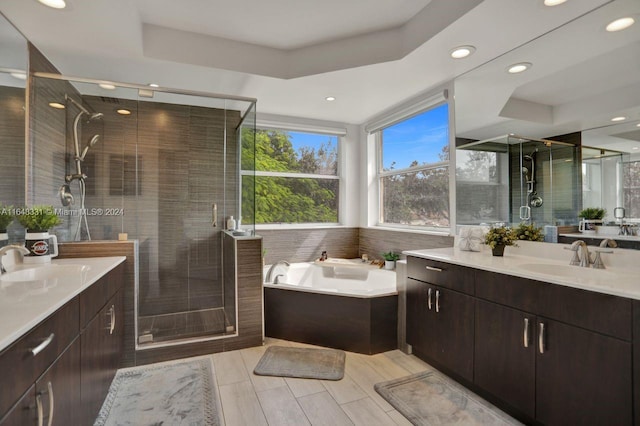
(123,111)
(56,4)
(638,125)
(56,105)
(635,147)
(107,86)
(553,2)
(620,24)
(153,85)
(621,118)
(18,75)
(330,98)
(519,67)
(462,52)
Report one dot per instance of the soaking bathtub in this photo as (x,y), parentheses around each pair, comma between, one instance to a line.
(343,307)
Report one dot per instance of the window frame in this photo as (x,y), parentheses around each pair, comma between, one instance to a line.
(412,111)
(338,133)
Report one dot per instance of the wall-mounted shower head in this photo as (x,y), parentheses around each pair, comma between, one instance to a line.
(96,115)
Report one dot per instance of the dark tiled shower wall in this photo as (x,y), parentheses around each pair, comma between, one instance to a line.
(163,166)
(306,245)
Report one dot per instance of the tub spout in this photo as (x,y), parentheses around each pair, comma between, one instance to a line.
(269,276)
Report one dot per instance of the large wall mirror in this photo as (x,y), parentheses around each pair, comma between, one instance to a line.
(13,75)
(580,79)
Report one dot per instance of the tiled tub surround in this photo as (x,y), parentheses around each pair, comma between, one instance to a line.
(25,305)
(546,341)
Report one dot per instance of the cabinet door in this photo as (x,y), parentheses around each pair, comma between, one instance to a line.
(24,412)
(505,354)
(58,390)
(582,377)
(114,335)
(454,313)
(419,327)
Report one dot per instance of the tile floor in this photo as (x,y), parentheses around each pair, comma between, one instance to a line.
(253,400)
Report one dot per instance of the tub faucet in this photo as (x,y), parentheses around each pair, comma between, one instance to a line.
(268,278)
(4,250)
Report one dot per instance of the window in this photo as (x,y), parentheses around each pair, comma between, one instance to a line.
(296,176)
(413,172)
(631,189)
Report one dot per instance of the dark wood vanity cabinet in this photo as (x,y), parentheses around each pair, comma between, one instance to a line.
(102,342)
(440,320)
(61,370)
(546,353)
(505,354)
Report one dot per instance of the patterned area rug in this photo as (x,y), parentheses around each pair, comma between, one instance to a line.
(430,398)
(170,393)
(305,363)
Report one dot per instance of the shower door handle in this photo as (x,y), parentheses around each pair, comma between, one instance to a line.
(214,215)
(527,213)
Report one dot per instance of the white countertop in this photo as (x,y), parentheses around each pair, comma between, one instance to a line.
(622,279)
(603,236)
(23,305)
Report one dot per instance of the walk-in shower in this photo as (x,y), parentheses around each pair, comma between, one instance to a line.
(515,179)
(166,170)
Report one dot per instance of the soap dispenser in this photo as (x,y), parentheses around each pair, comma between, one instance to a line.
(231,223)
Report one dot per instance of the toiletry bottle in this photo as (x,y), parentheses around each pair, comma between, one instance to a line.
(231,223)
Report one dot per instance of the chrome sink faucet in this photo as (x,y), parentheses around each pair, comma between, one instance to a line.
(4,250)
(268,278)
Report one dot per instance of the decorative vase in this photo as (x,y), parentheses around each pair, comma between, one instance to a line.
(389,264)
(498,250)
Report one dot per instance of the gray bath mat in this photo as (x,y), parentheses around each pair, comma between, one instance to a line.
(305,363)
(430,398)
(169,393)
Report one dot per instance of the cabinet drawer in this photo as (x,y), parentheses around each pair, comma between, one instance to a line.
(24,367)
(443,274)
(516,292)
(96,296)
(602,313)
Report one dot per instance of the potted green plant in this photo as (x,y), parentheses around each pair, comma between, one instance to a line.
(390,259)
(498,237)
(6,217)
(37,221)
(529,232)
(591,216)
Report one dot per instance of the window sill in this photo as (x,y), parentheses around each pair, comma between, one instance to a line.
(443,233)
(285,226)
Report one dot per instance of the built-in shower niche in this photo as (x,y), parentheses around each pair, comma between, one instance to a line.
(515,179)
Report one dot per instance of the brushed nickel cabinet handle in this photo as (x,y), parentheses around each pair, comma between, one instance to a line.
(35,351)
(40,411)
(541,338)
(526,333)
(51,403)
(429,299)
(433,268)
(437,300)
(113,319)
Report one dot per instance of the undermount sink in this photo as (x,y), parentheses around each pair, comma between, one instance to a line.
(561,270)
(43,273)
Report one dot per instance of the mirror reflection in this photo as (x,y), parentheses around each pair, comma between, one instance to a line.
(13,75)
(580,79)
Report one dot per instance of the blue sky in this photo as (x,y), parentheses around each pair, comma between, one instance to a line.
(418,138)
(309,139)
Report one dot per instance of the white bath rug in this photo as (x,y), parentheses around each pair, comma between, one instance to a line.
(170,393)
